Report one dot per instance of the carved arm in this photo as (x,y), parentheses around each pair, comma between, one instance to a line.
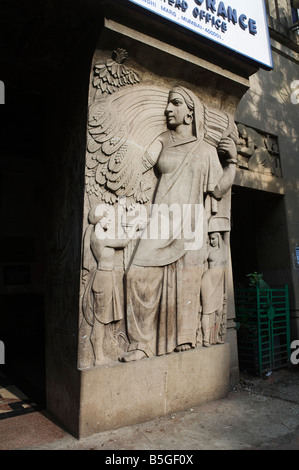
(151,156)
(227,147)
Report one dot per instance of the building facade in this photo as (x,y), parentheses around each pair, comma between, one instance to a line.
(271,108)
(49,55)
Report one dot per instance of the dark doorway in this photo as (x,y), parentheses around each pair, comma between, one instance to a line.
(259,239)
(22,251)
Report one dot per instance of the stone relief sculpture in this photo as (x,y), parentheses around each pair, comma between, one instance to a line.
(165,163)
(256,152)
(213,291)
(112,74)
(102,302)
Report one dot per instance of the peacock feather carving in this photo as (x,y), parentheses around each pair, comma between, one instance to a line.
(109,76)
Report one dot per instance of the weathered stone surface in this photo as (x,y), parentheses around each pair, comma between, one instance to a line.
(118,394)
(169,160)
(128,89)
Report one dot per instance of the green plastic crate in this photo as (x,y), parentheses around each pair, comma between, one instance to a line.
(263,321)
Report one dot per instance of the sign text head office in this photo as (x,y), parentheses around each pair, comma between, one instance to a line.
(238,25)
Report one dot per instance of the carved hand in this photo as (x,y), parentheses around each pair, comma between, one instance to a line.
(131,230)
(227,147)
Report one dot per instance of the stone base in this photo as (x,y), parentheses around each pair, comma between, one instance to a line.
(123,394)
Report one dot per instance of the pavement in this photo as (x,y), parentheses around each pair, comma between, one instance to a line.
(257,414)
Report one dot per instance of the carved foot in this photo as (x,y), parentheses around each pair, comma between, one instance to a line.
(183,347)
(206,344)
(100,362)
(132,356)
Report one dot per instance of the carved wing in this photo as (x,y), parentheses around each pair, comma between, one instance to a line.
(120,128)
(217,125)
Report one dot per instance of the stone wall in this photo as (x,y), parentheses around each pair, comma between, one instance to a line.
(271,105)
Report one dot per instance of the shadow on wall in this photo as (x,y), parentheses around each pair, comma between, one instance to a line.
(281,10)
(271,105)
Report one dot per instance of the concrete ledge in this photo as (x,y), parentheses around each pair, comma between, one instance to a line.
(254,180)
(122,394)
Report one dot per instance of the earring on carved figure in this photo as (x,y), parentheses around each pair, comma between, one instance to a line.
(188,118)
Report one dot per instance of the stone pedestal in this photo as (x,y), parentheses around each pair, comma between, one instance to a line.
(125,394)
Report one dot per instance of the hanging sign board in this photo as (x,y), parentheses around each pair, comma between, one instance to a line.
(239,25)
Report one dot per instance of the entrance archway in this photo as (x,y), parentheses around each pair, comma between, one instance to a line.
(259,238)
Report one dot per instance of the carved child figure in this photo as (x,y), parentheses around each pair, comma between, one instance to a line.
(107,306)
(213,291)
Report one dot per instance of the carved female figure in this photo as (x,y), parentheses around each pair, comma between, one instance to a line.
(164,279)
(212,290)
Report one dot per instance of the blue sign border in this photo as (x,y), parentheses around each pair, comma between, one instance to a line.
(210,39)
